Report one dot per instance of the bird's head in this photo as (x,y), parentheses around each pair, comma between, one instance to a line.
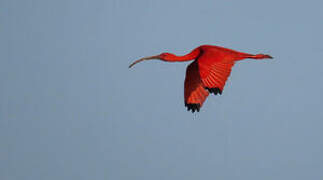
(162,56)
(165,56)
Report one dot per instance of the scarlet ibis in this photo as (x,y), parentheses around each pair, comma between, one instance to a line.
(208,72)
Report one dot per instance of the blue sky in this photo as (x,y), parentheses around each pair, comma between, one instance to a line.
(71,108)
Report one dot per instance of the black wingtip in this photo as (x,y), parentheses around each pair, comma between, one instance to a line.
(215,91)
(193,106)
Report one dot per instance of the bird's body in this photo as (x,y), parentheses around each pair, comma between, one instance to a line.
(207,73)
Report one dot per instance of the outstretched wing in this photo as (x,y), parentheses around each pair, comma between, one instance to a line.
(214,73)
(194,91)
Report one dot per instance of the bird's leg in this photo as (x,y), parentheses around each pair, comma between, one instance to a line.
(259,56)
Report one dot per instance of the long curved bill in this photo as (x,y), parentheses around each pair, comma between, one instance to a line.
(143,59)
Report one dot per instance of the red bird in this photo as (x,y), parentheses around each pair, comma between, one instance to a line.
(207,73)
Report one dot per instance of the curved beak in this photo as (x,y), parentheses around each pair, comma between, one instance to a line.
(143,59)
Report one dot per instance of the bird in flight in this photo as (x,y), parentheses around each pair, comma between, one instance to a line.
(208,72)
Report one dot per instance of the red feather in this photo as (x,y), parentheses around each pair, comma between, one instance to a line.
(208,73)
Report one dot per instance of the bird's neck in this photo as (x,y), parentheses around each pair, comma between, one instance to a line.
(190,56)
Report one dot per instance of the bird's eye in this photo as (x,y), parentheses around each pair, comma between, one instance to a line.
(162,55)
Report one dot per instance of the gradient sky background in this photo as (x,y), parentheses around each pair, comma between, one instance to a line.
(71,109)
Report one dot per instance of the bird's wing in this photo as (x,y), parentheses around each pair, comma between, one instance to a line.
(214,74)
(194,91)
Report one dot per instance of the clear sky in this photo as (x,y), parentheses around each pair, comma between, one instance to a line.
(71,109)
